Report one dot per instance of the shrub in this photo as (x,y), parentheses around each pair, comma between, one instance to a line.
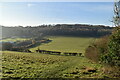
(113,56)
(91,53)
(7,46)
(98,48)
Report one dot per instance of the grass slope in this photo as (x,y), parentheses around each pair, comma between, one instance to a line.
(66,44)
(34,65)
(14,39)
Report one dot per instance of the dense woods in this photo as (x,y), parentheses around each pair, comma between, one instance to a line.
(57,30)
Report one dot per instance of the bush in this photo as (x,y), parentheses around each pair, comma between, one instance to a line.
(96,49)
(91,53)
(7,46)
(113,56)
(107,51)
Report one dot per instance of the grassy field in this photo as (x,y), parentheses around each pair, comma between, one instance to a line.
(34,65)
(14,39)
(66,44)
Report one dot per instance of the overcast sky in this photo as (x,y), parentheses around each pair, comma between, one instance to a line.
(37,13)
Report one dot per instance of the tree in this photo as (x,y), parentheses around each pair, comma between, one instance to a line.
(7,46)
(113,56)
(116,18)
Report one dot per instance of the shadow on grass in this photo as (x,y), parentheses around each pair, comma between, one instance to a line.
(39,43)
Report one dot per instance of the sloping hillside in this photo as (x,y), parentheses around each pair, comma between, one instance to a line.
(34,65)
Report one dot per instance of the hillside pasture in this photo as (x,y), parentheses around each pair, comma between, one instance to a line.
(34,65)
(13,39)
(66,44)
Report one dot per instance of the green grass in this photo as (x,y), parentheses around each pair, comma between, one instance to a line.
(66,44)
(34,65)
(14,39)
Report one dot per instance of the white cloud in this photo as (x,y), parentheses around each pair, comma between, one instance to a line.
(30,5)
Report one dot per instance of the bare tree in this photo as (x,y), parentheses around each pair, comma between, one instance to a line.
(116,18)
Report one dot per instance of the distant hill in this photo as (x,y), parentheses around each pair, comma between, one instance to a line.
(79,30)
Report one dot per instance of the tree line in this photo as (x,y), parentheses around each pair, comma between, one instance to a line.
(57,52)
(79,30)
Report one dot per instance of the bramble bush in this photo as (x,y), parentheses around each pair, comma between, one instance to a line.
(98,48)
(106,49)
(113,56)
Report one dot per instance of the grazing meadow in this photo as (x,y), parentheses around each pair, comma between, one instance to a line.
(66,44)
(13,39)
(36,65)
